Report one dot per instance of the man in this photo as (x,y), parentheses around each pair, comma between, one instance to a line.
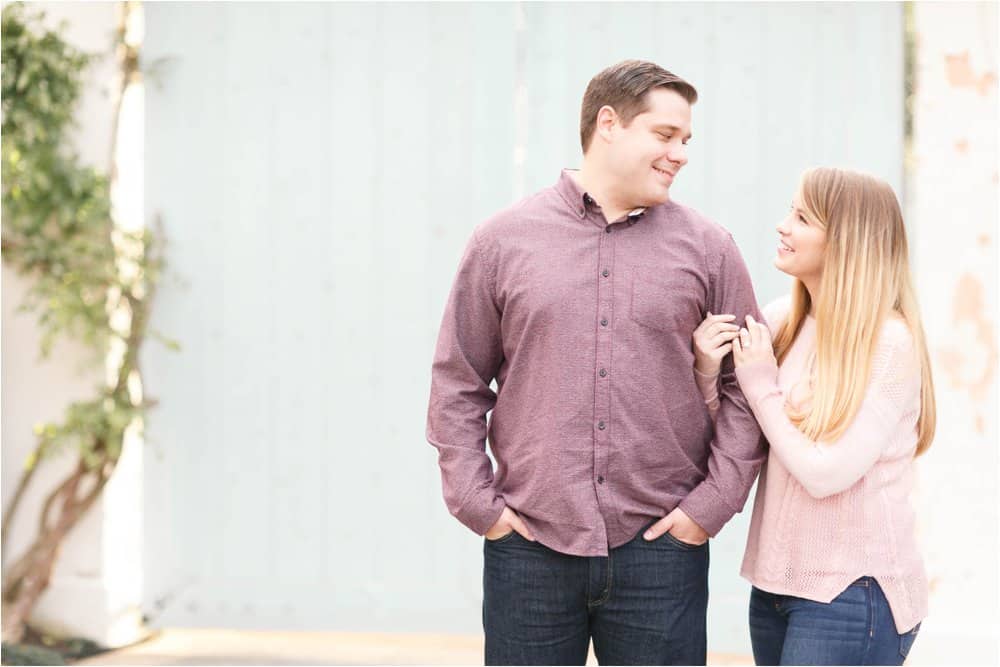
(581,302)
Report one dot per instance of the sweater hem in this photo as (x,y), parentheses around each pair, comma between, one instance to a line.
(905,621)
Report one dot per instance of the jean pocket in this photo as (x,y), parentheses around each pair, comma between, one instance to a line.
(683,545)
(906,641)
(502,538)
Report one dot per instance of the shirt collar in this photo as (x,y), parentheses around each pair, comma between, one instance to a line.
(578,200)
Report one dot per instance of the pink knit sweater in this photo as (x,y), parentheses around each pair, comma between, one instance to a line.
(827,513)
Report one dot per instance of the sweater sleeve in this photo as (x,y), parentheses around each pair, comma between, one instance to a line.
(825,468)
(708,385)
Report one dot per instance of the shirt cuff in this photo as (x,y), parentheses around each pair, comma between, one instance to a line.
(706,508)
(482,510)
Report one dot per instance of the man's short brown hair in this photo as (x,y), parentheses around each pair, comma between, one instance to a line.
(623,87)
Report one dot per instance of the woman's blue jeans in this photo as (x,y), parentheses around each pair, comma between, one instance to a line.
(643,604)
(856,628)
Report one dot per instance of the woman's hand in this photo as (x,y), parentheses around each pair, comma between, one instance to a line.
(713,341)
(753,345)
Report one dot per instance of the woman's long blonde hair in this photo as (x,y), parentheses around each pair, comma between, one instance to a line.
(865,279)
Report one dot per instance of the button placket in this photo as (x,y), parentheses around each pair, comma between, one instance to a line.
(602,394)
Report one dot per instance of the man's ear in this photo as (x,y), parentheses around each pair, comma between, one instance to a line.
(607,121)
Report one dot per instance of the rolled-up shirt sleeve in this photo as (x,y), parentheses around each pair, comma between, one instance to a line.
(468,356)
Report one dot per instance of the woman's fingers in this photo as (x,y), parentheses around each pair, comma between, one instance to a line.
(718,335)
(765,333)
(724,337)
(711,320)
(712,330)
(753,326)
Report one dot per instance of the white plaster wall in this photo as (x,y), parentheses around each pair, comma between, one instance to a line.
(952,214)
(319,168)
(85,596)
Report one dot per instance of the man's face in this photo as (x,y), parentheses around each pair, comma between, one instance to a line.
(645,156)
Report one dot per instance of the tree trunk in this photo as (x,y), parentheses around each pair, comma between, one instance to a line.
(29,576)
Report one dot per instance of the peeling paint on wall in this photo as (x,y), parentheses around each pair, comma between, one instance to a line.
(961,74)
(969,360)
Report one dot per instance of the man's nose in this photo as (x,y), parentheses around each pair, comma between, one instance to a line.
(679,155)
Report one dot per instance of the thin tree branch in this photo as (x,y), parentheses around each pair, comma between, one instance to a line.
(43,523)
(15,502)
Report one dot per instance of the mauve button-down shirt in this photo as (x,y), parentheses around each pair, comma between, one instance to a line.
(598,426)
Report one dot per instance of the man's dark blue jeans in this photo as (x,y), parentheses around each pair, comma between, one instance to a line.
(856,628)
(643,604)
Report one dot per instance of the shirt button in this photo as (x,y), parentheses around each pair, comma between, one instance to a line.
(605,273)
(603,373)
(600,479)
(607,228)
(604,321)
(600,425)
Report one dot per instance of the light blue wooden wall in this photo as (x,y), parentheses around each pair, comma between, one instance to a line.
(318,168)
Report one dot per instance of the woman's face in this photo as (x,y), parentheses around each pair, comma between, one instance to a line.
(800,245)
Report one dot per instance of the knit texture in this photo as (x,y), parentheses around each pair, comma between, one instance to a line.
(826,513)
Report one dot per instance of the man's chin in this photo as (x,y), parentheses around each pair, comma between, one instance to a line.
(660,195)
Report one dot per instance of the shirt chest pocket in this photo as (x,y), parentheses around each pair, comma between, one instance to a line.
(671,303)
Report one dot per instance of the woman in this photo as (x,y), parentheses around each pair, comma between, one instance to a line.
(845,398)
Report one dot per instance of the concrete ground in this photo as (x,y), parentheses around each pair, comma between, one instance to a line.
(183,646)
